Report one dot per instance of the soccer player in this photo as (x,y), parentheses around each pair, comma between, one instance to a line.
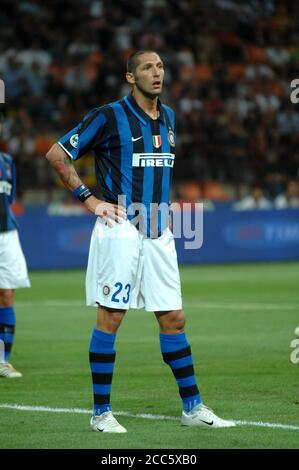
(132,259)
(13,269)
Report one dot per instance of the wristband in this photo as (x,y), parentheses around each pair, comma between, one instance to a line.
(82,193)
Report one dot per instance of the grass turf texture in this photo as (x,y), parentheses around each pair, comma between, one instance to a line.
(241,355)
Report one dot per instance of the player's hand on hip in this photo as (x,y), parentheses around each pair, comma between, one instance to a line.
(106,210)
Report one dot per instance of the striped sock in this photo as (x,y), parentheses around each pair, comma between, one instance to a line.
(102,359)
(7,330)
(176,353)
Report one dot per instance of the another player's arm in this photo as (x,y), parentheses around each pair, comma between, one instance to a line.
(64,167)
(12,195)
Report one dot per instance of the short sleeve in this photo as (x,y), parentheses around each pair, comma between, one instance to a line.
(13,181)
(83,137)
(10,175)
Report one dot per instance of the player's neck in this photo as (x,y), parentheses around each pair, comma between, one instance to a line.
(147,104)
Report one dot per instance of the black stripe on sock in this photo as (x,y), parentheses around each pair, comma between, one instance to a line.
(102,379)
(101,399)
(7,328)
(96,357)
(172,356)
(7,347)
(188,391)
(183,372)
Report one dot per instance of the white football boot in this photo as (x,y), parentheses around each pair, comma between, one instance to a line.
(204,417)
(106,422)
(8,371)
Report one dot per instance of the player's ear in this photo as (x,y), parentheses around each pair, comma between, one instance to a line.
(130,78)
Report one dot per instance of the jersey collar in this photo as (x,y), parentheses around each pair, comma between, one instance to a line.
(139,113)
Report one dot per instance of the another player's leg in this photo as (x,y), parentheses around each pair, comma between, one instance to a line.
(177,354)
(102,358)
(7,331)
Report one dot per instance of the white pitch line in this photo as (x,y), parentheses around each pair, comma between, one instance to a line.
(268,425)
(138,415)
(206,305)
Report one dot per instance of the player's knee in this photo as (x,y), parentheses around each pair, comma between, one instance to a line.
(109,320)
(6,297)
(116,319)
(173,322)
(179,321)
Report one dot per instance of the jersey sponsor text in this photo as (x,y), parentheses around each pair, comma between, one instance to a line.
(153,159)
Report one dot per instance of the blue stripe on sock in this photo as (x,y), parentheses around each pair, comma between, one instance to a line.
(101,341)
(99,409)
(193,401)
(102,367)
(170,343)
(7,337)
(187,382)
(7,316)
(185,361)
(100,389)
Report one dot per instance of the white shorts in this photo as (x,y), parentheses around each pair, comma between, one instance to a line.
(126,270)
(13,269)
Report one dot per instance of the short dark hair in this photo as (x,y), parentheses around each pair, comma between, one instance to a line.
(133,62)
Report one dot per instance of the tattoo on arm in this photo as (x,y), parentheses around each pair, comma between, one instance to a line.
(66,170)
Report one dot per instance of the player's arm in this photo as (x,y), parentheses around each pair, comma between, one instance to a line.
(64,167)
(12,195)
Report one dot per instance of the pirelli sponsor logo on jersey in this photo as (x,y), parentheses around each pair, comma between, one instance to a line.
(153,159)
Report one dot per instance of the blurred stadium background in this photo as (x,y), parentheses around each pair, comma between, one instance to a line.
(229,66)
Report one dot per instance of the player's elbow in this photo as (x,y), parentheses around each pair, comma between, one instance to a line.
(49,153)
(52,153)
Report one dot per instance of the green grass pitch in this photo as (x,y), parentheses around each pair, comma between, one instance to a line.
(240,323)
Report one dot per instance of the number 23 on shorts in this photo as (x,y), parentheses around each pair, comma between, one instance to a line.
(122,293)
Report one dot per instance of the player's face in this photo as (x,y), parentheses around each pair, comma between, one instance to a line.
(149,74)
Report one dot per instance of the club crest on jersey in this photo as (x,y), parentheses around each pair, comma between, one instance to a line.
(157,141)
(74,140)
(170,137)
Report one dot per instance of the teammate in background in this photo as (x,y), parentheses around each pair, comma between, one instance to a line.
(13,269)
(132,265)
(289,199)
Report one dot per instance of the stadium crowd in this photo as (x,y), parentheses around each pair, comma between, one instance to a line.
(229,65)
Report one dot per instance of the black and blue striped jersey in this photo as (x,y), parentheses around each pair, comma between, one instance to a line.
(7,192)
(134,157)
